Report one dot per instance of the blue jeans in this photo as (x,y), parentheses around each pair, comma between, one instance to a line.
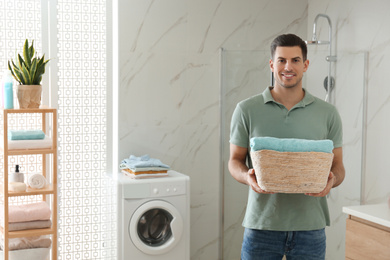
(272,245)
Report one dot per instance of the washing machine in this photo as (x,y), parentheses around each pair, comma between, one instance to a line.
(154,217)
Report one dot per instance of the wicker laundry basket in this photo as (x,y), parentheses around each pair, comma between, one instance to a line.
(291,172)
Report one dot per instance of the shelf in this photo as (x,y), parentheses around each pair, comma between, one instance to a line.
(29,151)
(29,232)
(30,191)
(41,109)
(46,118)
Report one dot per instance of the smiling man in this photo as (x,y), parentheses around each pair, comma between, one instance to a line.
(284,224)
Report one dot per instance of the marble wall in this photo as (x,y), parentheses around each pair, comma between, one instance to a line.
(170,85)
(356,30)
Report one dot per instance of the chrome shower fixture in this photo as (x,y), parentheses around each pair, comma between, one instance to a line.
(315,41)
(328,84)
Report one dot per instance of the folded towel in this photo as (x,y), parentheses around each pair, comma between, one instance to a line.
(26,243)
(143,169)
(37,224)
(25,134)
(27,212)
(145,175)
(30,254)
(17,186)
(36,181)
(143,172)
(134,162)
(45,143)
(291,145)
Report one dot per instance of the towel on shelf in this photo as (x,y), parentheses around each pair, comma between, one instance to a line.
(26,243)
(30,254)
(25,134)
(27,212)
(36,181)
(290,144)
(45,143)
(36,224)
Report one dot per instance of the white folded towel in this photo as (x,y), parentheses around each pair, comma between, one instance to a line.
(36,181)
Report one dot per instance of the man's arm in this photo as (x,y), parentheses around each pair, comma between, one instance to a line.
(239,170)
(338,166)
(336,175)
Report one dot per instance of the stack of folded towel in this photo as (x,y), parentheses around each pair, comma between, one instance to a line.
(26,135)
(28,139)
(291,165)
(143,167)
(28,216)
(291,145)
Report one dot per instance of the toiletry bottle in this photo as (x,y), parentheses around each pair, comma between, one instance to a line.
(2,91)
(8,92)
(16,176)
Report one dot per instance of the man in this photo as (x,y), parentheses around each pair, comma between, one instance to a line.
(285,224)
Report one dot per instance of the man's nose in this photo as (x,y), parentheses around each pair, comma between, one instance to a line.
(288,65)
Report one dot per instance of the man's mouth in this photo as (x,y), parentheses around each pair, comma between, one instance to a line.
(289,75)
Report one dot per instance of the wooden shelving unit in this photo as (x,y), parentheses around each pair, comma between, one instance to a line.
(49,190)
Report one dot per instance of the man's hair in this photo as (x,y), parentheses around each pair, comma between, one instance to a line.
(288,40)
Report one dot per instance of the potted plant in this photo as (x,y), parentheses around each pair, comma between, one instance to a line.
(28,71)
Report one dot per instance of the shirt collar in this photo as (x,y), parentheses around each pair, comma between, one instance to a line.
(307,99)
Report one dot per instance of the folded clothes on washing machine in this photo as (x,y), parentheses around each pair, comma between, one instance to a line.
(143,167)
(143,175)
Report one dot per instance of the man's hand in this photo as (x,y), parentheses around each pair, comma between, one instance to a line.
(252,182)
(328,187)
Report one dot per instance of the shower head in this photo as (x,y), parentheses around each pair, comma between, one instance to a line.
(317,42)
(314,39)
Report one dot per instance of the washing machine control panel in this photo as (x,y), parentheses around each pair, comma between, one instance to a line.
(167,189)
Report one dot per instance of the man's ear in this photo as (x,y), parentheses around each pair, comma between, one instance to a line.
(306,65)
(271,65)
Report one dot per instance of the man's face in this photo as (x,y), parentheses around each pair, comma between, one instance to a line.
(288,66)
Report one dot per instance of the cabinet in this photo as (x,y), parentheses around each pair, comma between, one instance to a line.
(367,232)
(43,158)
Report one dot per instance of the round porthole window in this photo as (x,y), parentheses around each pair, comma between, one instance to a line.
(156,227)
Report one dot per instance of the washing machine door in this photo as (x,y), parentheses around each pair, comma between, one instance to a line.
(156,227)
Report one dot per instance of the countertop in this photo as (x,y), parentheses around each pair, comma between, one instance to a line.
(377,213)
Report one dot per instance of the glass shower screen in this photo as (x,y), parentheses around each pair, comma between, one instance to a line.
(247,73)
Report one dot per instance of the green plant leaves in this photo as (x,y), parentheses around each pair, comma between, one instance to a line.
(29,69)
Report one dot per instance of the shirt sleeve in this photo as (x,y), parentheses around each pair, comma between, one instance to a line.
(336,129)
(239,131)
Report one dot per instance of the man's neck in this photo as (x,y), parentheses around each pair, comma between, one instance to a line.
(288,97)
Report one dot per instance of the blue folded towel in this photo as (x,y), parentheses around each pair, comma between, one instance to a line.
(291,144)
(144,161)
(26,135)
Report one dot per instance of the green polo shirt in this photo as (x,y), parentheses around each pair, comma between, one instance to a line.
(312,118)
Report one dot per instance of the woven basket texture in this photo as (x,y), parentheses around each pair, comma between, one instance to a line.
(291,172)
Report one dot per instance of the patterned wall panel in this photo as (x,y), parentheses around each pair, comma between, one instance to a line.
(87,220)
